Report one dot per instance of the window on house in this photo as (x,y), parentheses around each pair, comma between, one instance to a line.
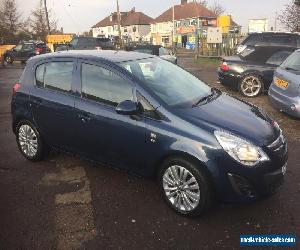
(165,39)
(160,27)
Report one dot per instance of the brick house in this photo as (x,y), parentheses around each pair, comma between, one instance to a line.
(135,26)
(188,17)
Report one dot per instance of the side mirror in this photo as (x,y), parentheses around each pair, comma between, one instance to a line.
(127,108)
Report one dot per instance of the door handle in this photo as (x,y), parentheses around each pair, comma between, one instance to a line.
(84,118)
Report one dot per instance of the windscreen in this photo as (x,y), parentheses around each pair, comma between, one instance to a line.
(292,62)
(172,84)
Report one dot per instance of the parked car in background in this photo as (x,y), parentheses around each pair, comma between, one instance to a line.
(277,39)
(251,72)
(284,92)
(156,50)
(145,115)
(87,43)
(24,50)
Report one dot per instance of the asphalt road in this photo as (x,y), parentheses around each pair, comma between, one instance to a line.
(67,203)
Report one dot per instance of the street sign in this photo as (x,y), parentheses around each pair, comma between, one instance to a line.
(214,35)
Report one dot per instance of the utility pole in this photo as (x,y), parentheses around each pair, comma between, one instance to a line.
(119,24)
(47,17)
(173,32)
(275,21)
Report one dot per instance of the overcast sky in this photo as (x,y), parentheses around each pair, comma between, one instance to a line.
(79,15)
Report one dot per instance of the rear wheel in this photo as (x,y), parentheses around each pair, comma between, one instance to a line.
(185,187)
(251,85)
(29,141)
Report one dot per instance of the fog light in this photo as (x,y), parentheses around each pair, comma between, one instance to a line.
(241,185)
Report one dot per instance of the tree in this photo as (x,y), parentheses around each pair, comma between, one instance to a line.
(9,20)
(290,17)
(217,8)
(38,22)
(203,3)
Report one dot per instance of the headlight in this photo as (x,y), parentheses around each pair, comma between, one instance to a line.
(241,150)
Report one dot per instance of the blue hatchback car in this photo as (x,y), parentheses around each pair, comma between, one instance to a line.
(284,92)
(148,116)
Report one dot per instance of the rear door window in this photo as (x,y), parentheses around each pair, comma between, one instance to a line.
(55,76)
(278,58)
(283,40)
(102,85)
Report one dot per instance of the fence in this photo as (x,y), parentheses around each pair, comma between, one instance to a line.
(226,48)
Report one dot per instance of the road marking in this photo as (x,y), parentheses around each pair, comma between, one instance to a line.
(74,211)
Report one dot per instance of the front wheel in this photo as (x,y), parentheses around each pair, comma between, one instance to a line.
(185,187)
(29,141)
(251,85)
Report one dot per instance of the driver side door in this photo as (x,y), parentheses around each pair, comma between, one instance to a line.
(101,133)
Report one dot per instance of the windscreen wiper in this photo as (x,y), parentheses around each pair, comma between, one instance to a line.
(289,68)
(205,98)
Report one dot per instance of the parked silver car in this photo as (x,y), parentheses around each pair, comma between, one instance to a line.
(284,91)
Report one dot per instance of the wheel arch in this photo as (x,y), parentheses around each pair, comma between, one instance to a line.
(187,156)
(252,72)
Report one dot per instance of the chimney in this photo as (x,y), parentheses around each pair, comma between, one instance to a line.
(183,2)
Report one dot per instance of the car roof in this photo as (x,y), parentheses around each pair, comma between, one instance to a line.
(274,33)
(108,55)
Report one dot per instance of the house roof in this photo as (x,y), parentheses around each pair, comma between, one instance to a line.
(127,18)
(185,11)
(135,18)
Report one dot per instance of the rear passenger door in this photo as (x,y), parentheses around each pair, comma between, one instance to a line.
(101,133)
(52,101)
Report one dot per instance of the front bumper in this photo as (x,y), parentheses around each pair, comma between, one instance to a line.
(289,105)
(237,183)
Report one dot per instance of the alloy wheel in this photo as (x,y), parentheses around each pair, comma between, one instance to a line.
(8,59)
(251,86)
(181,188)
(28,140)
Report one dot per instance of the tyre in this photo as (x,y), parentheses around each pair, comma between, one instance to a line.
(251,85)
(185,187)
(8,59)
(30,142)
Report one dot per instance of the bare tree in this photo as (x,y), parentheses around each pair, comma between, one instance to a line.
(290,17)
(217,8)
(9,20)
(38,22)
(203,3)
